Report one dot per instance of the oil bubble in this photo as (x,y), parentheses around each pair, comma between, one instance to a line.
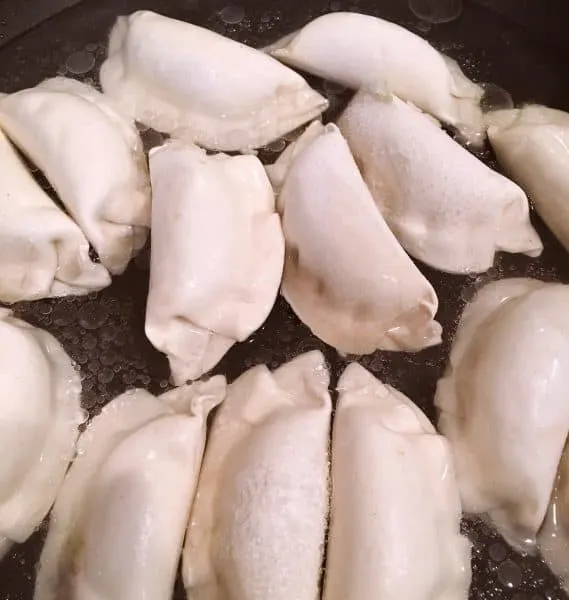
(436,11)
(94,366)
(232,14)
(89,341)
(105,375)
(63,314)
(92,316)
(108,358)
(277,145)
(129,378)
(80,62)
(497,552)
(509,574)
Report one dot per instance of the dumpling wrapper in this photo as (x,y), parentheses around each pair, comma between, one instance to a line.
(532,145)
(43,254)
(503,403)
(92,157)
(361,51)
(217,255)
(346,276)
(554,535)
(395,509)
(39,424)
(258,522)
(446,207)
(117,528)
(202,87)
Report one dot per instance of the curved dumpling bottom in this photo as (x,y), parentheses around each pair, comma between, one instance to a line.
(42,252)
(117,527)
(257,526)
(554,535)
(39,424)
(103,183)
(532,145)
(5,545)
(362,51)
(446,207)
(394,528)
(346,276)
(217,255)
(214,92)
(503,407)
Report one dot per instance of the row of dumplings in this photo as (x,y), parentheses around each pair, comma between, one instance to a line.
(254,513)
(332,221)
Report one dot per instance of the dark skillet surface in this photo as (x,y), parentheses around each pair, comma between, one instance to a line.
(523,52)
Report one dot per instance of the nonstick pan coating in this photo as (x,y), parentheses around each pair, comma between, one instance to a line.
(517,45)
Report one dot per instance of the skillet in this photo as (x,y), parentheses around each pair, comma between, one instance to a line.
(516,45)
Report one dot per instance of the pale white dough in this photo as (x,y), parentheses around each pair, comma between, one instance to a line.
(503,403)
(117,527)
(42,252)
(446,207)
(92,157)
(361,51)
(257,526)
(202,87)
(217,255)
(554,535)
(395,509)
(346,276)
(39,423)
(532,144)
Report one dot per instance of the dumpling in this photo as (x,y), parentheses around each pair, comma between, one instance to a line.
(202,87)
(446,207)
(217,255)
(532,144)
(395,509)
(117,528)
(346,276)
(358,51)
(42,252)
(257,526)
(554,535)
(91,156)
(39,424)
(503,403)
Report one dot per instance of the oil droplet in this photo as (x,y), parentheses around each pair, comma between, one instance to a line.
(232,14)
(497,552)
(80,62)
(277,145)
(92,316)
(105,375)
(45,309)
(495,98)
(109,358)
(510,574)
(129,378)
(94,366)
(436,11)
